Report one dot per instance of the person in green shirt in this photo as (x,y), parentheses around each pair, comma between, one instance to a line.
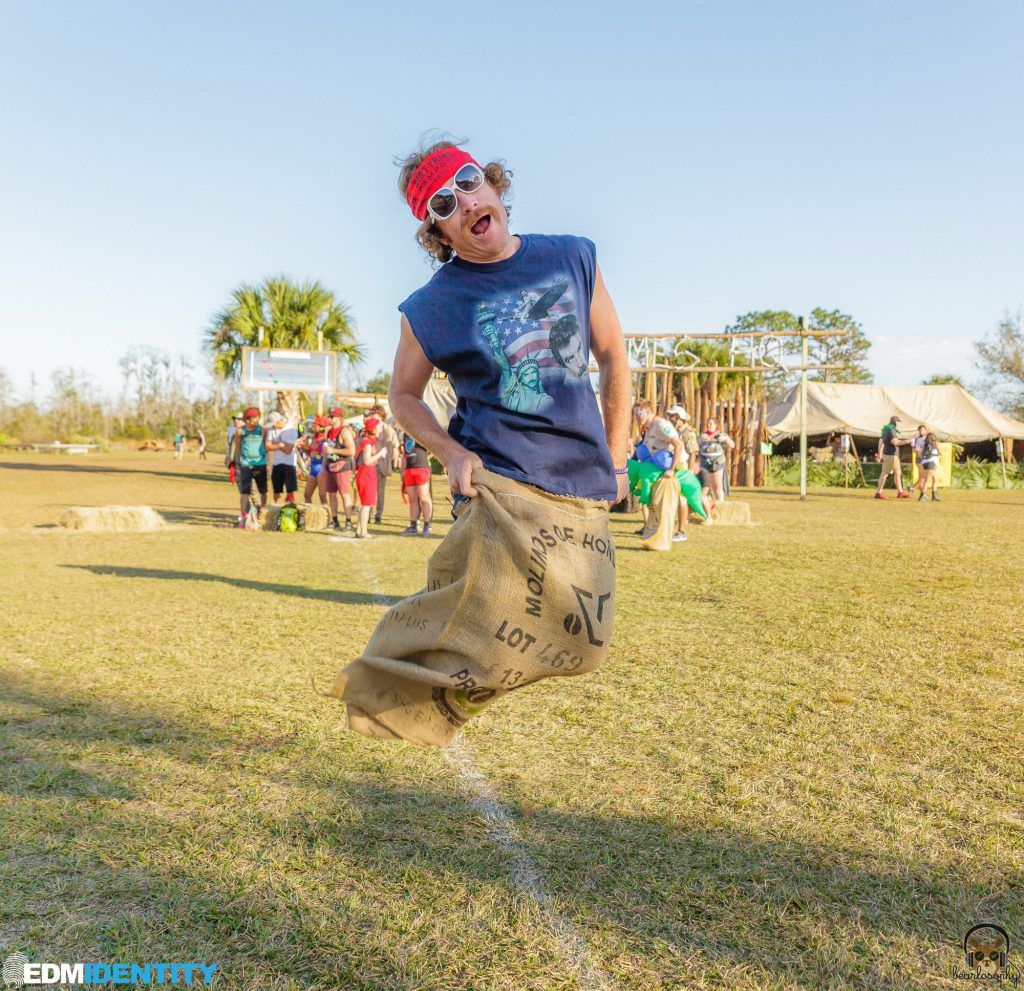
(889,454)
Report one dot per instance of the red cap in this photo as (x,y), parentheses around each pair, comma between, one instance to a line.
(336,411)
(433,172)
(321,421)
(252,411)
(371,423)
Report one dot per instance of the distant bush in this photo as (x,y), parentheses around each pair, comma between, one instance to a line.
(971,474)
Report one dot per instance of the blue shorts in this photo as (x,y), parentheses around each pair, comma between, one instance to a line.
(315,467)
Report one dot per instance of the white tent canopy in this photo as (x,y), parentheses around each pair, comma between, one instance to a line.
(948,411)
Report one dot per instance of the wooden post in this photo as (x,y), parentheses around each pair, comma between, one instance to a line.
(744,441)
(760,478)
(688,393)
(803,408)
(650,386)
(714,392)
(320,395)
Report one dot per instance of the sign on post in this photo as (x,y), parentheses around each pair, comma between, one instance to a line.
(287,370)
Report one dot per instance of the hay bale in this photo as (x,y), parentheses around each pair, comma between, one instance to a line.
(730,513)
(314,518)
(112,519)
(317,517)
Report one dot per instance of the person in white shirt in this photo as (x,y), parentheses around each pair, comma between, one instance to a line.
(281,441)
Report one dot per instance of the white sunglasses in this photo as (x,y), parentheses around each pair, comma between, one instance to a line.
(445,201)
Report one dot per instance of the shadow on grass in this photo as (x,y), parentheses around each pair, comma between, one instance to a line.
(693,902)
(203,476)
(300,591)
(199,517)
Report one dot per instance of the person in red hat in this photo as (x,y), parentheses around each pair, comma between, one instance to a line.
(314,445)
(339,451)
(367,456)
(249,446)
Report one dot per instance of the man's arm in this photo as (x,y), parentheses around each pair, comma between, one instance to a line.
(409,378)
(678,456)
(609,350)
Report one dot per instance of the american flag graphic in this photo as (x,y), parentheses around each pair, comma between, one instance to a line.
(524,321)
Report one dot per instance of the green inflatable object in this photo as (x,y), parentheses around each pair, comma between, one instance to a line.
(643,475)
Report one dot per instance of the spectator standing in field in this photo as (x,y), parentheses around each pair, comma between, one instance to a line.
(416,480)
(201,437)
(179,445)
(232,451)
(711,447)
(388,440)
(281,441)
(368,454)
(889,445)
(314,445)
(917,447)
(928,464)
(339,451)
(251,441)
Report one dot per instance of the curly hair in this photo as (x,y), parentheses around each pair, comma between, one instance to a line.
(429,234)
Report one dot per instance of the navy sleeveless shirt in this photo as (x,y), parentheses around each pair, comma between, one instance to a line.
(514,338)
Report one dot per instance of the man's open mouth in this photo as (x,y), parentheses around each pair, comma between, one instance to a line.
(482,225)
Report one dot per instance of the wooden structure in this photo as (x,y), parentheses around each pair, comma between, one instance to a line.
(667,372)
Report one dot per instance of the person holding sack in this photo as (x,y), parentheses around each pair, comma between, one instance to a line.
(523,585)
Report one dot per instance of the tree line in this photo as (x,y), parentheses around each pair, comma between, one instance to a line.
(161,393)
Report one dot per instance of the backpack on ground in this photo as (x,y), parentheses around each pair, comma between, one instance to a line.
(288,520)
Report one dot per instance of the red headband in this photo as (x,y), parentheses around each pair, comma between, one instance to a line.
(433,172)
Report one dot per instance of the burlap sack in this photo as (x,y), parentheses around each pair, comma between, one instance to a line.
(662,516)
(522,588)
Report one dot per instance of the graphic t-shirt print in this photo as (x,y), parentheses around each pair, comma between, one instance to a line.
(535,339)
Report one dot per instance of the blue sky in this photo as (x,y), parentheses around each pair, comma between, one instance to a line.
(723,156)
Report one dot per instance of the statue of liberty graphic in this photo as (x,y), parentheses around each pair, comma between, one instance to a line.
(522,390)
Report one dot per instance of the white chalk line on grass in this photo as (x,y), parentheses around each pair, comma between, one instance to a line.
(503,832)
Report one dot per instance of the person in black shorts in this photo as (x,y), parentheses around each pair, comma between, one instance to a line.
(416,481)
(281,440)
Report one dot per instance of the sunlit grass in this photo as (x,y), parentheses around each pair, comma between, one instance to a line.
(799,769)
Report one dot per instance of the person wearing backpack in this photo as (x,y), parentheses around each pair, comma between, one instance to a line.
(711,447)
(928,466)
(339,449)
(249,443)
(889,455)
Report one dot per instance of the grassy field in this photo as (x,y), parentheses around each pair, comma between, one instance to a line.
(799,769)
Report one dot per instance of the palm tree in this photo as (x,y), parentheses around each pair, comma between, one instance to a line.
(280,314)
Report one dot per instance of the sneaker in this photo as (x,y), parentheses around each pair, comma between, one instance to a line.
(903,494)
(240,525)
(678,536)
(640,531)
(426,530)
(920,498)
(348,528)
(935,498)
(376,521)
(334,524)
(880,495)
(410,531)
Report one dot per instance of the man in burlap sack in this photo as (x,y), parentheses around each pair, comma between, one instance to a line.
(523,586)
